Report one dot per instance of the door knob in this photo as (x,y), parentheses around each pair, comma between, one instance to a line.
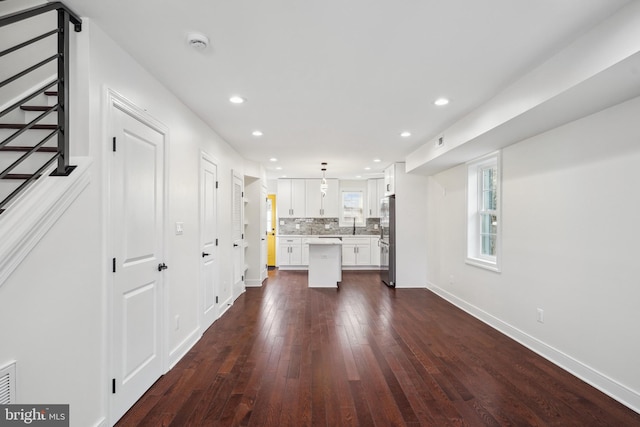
(204,254)
(162,266)
(235,245)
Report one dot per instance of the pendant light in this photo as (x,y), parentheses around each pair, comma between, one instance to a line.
(323,183)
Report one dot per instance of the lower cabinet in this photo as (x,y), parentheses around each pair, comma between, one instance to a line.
(375,251)
(361,251)
(290,251)
(356,251)
(305,251)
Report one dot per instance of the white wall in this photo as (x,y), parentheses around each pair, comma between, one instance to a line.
(114,69)
(411,229)
(570,238)
(51,316)
(57,299)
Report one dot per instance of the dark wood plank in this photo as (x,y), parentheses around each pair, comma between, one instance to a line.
(364,355)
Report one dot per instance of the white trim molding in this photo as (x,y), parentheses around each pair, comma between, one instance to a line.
(183,347)
(32,214)
(607,385)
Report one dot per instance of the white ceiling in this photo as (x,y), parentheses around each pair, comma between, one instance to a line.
(336,81)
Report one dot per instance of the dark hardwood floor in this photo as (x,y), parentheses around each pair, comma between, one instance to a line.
(287,355)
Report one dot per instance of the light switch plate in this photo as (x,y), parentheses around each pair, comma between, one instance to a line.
(179,228)
(281,222)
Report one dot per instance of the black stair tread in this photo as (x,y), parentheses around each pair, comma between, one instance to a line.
(51,93)
(34,108)
(19,176)
(26,148)
(20,126)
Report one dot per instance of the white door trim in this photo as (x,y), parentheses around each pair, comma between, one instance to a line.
(113,99)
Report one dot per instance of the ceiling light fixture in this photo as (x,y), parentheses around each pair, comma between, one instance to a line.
(256,133)
(235,99)
(405,134)
(441,101)
(273,159)
(198,41)
(377,160)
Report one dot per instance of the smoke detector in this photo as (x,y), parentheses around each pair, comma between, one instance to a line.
(198,41)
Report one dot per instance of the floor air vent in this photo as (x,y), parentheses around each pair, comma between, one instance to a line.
(8,384)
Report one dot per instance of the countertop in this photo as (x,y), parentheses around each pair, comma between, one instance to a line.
(324,241)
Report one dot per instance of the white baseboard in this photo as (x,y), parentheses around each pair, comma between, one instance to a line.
(101,423)
(591,376)
(253,283)
(183,348)
(226,305)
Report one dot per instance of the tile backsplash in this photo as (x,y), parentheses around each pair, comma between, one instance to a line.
(316,227)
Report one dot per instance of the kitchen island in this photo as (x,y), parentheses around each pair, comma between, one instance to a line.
(325,262)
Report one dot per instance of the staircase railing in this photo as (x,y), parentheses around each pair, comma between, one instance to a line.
(57,88)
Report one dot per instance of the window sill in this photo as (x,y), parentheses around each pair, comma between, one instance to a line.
(487,265)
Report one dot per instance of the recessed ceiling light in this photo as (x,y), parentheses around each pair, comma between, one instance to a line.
(405,134)
(358,176)
(256,133)
(367,168)
(377,160)
(441,101)
(273,159)
(236,99)
(279,168)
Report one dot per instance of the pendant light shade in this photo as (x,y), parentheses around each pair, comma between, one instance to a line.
(323,184)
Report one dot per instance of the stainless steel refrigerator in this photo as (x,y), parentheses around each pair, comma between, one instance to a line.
(388,240)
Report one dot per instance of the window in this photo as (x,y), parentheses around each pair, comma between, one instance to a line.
(352,208)
(483,205)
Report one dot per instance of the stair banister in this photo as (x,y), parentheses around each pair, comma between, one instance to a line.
(65,18)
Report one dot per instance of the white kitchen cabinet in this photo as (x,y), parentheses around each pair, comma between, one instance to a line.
(375,251)
(318,206)
(291,198)
(390,180)
(356,251)
(375,192)
(290,251)
(305,250)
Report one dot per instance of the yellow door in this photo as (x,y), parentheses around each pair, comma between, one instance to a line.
(271,230)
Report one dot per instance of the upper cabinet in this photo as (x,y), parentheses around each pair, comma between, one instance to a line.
(318,206)
(390,180)
(375,192)
(291,199)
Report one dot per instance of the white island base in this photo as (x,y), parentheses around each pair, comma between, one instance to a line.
(325,262)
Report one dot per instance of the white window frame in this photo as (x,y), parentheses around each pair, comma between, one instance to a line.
(475,209)
(342,222)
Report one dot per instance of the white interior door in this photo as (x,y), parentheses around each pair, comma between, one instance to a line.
(208,238)
(238,234)
(136,206)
